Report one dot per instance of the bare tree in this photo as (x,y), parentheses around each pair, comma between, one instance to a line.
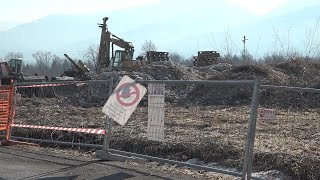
(246,57)
(188,61)
(176,57)
(12,55)
(44,61)
(57,66)
(312,40)
(226,45)
(91,56)
(282,45)
(29,68)
(148,45)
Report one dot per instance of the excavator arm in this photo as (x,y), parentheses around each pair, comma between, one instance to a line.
(104,48)
(127,46)
(107,39)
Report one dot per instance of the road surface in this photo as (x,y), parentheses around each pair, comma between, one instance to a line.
(27,163)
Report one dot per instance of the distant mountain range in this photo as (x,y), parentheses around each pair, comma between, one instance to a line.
(185,32)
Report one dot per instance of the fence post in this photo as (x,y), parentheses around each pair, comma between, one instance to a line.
(248,159)
(108,124)
(9,113)
(12,110)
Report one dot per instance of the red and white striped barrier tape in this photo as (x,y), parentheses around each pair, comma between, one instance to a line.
(42,85)
(82,130)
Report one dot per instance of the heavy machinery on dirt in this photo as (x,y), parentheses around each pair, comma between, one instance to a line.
(78,71)
(12,71)
(120,59)
(205,58)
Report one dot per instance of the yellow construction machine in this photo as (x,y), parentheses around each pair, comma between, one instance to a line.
(120,59)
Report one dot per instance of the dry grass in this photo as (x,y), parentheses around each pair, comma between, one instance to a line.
(290,143)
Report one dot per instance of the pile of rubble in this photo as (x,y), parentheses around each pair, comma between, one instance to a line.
(91,94)
(96,93)
(162,70)
(294,73)
(168,70)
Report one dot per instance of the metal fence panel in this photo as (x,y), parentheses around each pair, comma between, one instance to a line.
(205,121)
(54,106)
(291,141)
(205,124)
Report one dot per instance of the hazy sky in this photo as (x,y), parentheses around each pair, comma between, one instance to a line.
(15,12)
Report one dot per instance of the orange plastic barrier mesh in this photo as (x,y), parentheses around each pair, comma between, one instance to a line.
(6,93)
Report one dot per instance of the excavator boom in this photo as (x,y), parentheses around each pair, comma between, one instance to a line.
(122,43)
(104,48)
(120,59)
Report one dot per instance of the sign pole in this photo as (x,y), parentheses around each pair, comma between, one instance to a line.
(119,107)
(108,123)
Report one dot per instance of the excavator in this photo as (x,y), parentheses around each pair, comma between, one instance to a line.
(12,71)
(120,59)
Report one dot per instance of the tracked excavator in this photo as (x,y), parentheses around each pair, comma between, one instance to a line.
(120,59)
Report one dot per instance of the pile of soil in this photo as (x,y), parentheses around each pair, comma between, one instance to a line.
(95,94)
(168,70)
(293,73)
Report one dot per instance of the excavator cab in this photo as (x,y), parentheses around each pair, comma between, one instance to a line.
(122,59)
(15,66)
(10,70)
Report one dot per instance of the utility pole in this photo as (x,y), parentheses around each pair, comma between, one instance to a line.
(244,46)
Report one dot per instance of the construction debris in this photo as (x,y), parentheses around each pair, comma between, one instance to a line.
(205,58)
(305,74)
(154,56)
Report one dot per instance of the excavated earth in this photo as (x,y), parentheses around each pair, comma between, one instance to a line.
(201,121)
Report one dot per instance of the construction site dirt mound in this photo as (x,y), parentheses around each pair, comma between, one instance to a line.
(168,70)
(294,73)
(95,94)
(162,70)
(211,70)
(90,94)
(302,73)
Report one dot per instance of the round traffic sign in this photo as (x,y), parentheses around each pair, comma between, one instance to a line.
(128,94)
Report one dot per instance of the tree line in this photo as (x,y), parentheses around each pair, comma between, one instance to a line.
(50,64)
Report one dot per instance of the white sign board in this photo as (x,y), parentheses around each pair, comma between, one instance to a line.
(156,111)
(124,100)
(269,114)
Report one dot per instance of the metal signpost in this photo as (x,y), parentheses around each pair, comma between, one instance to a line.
(119,107)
